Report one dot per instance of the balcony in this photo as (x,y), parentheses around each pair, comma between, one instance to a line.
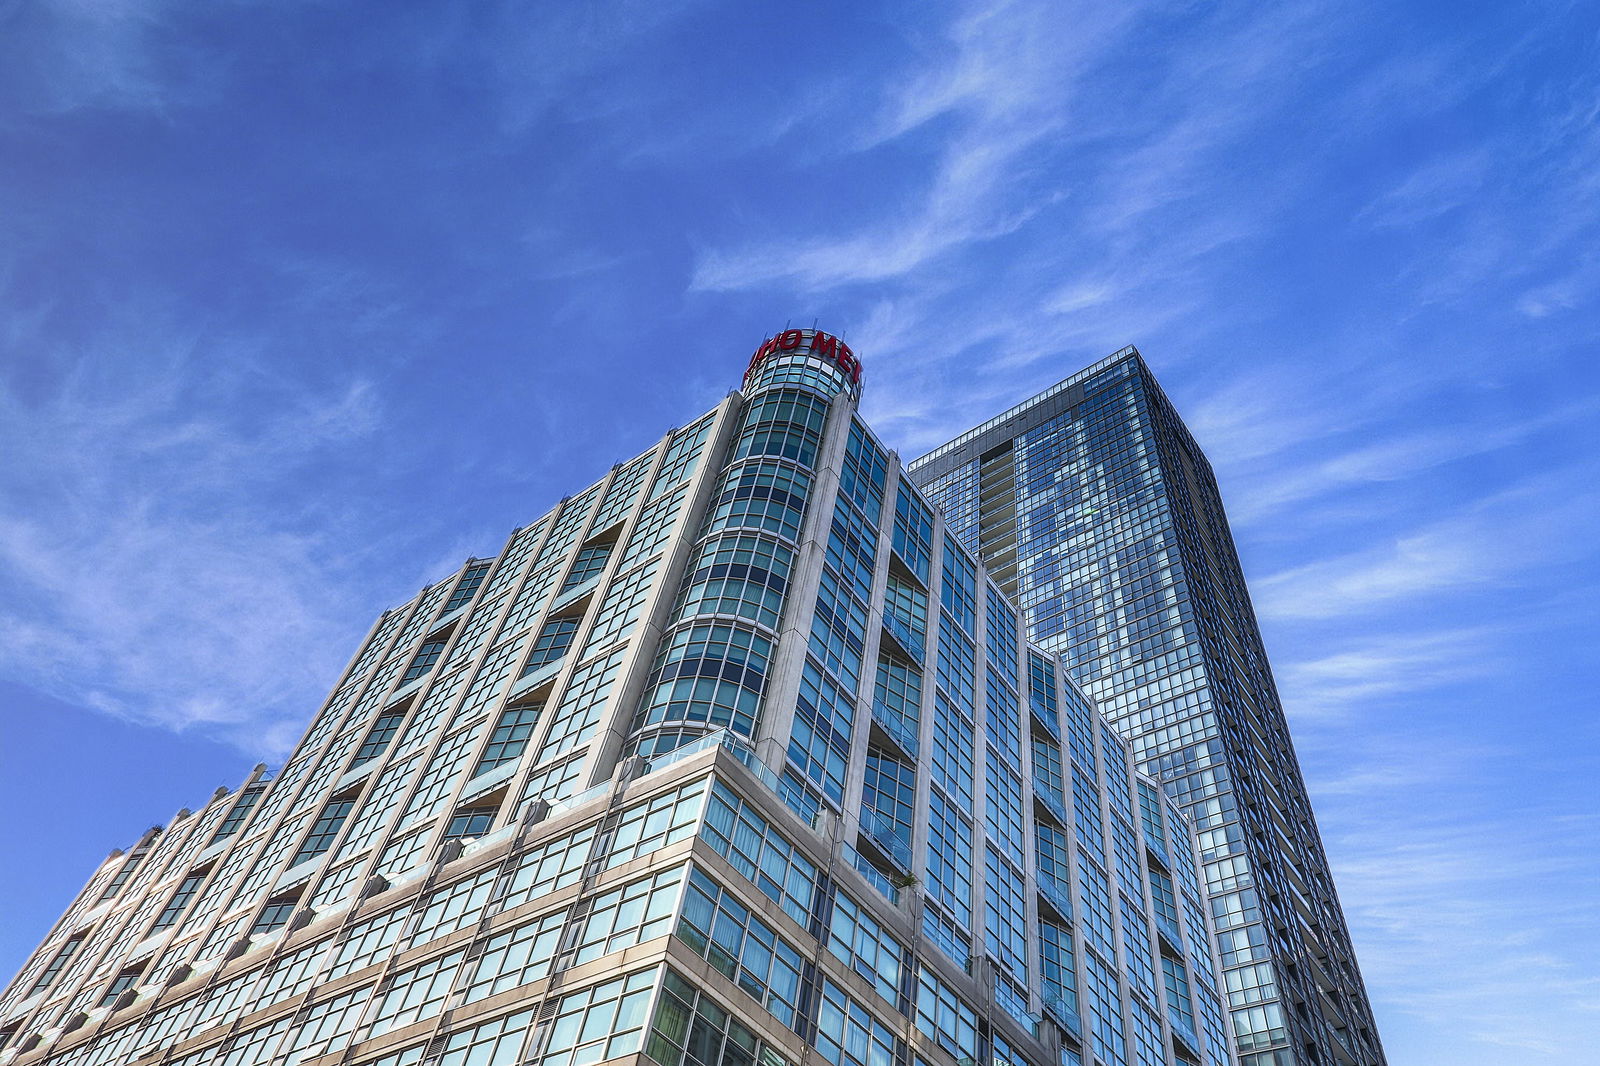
(894,726)
(1063,1015)
(881,832)
(908,639)
(1046,719)
(1056,895)
(874,876)
(1055,807)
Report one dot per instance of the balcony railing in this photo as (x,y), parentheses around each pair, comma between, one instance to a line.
(907,637)
(900,731)
(1047,797)
(881,831)
(1056,895)
(1045,717)
(875,877)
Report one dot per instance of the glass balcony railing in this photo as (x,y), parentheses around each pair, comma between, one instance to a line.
(1056,895)
(900,731)
(875,877)
(1056,808)
(881,831)
(1063,1012)
(1045,717)
(908,638)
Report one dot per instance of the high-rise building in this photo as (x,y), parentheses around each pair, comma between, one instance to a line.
(1096,512)
(736,756)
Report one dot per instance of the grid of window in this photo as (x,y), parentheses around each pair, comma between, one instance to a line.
(467,587)
(289,975)
(366,942)
(514,557)
(661,820)
(587,567)
(1051,855)
(490,680)
(378,738)
(913,531)
(579,710)
(255,1046)
(530,599)
(856,939)
(950,857)
(441,693)
(819,743)
(957,589)
(376,646)
(903,602)
(1105,1023)
(422,618)
(548,867)
(438,781)
(678,462)
(847,1032)
(510,737)
(567,527)
(952,750)
(631,914)
(120,984)
(809,372)
(1057,973)
(474,633)
(455,906)
(865,470)
(890,792)
(619,611)
(326,1028)
(690,1030)
(1140,967)
(741,947)
(555,639)
(784,424)
(1176,980)
(839,630)
(653,526)
(741,574)
(760,494)
(1003,813)
(238,815)
(1047,770)
(898,691)
(711,672)
(1005,914)
(495,1043)
(603,1022)
(415,994)
(554,783)
(517,956)
(423,661)
(378,806)
(323,831)
(180,900)
(623,491)
(274,916)
(945,1016)
(760,853)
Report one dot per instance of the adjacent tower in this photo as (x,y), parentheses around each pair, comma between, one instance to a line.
(736,757)
(1095,510)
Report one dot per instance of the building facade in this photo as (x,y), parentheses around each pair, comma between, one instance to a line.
(736,756)
(1097,513)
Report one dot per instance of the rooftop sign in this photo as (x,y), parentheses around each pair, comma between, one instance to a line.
(822,345)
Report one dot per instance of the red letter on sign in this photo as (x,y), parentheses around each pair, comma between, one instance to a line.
(825,345)
(847,360)
(789,339)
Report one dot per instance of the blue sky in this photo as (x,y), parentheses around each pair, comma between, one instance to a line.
(303,303)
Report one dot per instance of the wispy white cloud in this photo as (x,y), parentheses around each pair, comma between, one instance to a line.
(141,575)
(1544,520)
(1348,682)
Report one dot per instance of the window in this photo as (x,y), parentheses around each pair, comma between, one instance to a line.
(383,731)
(658,821)
(416,993)
(604,1022)
(179,901)
(240,812)
(470,822)
(690,1030)
(859,942)
(847,1032)
(517,956)
(453,907)
(741,947)
(120,984)
(510,737)
(638,911)
(130,865)
(760,854)
(467,587)
(548,867)
(554,640)
(587,567)
(275,915)
(426,656)
(365,942)
(496,1043)
(324,832)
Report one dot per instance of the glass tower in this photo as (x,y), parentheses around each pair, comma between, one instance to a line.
(736,756)
(1094,509)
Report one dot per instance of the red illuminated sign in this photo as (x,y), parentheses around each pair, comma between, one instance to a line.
(823,345)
